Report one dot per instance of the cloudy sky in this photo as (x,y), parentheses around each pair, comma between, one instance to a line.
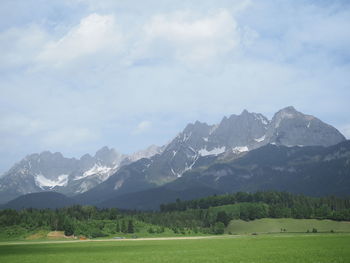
(78,75)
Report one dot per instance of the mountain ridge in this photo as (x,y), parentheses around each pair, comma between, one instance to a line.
(51,171)
(109,173)
(200,144)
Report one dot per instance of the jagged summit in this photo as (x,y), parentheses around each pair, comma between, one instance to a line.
(233,136)
(288,109)
(199,145)
(245,112)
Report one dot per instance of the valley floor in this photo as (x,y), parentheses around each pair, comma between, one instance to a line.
(309,248)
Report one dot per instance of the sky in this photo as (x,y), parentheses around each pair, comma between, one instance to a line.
(76,75)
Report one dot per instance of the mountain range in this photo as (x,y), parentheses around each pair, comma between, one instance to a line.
(53,172)
(246,152)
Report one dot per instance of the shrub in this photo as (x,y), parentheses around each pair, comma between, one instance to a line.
(219,228)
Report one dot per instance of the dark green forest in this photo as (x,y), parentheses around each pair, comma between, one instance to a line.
(208,215)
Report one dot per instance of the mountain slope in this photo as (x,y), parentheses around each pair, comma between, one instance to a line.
(151,199)
(312,170)
(130,178)
(40,200)
(315,171)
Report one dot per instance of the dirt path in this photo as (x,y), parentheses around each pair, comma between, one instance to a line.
(116,240)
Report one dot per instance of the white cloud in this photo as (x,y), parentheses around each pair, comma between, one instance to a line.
(142,127)
(189,37)
(20,45)
(95,33)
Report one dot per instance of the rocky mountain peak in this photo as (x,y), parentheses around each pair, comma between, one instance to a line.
(196,127)
(109,156)
(286,113)
(244,112)
(105,152)
(86,157)
(146,153)
(290,127)
(290,109)
(240,130)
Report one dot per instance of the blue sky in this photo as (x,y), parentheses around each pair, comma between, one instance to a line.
(78,75)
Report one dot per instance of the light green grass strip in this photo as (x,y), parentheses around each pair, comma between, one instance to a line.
(269,225)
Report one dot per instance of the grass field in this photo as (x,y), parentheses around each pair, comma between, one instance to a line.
(269,225)
(310,248)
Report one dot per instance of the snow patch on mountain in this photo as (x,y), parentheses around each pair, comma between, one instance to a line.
(84,186)
(186,136)
(213,129)
(260,139)
(176,174)
(118,184)
(44,182)
(261,118)
(240,149)
(215,151)
(97,169)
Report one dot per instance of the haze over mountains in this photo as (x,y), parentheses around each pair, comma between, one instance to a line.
(53,172)
(243,152)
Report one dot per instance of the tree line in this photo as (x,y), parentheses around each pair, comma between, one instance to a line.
(75,220)
(206,215)
(280,204)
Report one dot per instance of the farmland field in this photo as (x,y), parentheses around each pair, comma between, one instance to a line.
(320,248)
(274,225)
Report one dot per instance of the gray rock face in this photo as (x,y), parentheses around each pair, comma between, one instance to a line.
(290,128)
(200,144)
(240,130)
(146,153)
(238,134)
(35,173)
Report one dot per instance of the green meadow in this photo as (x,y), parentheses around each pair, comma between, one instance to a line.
(290,225)
(277,248)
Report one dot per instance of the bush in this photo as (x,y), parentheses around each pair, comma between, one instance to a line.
(219,228)
(151,230)
(68,227)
